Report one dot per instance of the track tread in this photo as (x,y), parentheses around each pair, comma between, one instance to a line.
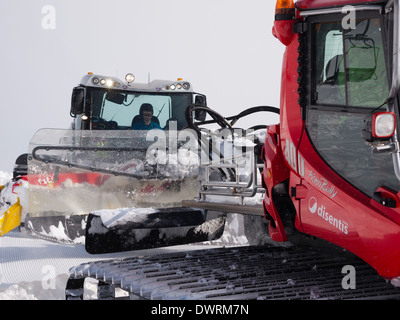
(240,273)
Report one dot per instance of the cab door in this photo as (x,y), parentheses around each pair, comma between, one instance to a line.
(347,80)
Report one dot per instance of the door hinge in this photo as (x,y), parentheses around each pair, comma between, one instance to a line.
(299,192)
(300,27)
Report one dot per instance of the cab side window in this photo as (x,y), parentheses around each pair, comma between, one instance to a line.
(349,81)
(350,67)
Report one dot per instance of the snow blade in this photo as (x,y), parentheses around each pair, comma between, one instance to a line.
(143,228)
(73,173)
(138,154)
(61,228)
(11,218)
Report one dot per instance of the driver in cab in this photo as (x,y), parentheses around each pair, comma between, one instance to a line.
(145,119)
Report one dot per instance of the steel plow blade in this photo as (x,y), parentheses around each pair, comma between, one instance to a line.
(138,154)
(143,228)
(72,173)
(61,228)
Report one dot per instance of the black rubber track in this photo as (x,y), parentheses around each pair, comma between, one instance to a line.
(239,273)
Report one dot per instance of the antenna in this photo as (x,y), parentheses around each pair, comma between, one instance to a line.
(148,77)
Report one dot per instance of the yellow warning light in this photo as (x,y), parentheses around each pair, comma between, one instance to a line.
(284,7)
(90,73)
(285,13)
(179,79)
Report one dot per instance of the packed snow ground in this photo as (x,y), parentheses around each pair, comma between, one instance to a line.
(4,177)
(36,269)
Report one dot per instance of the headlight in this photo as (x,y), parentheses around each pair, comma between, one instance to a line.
(383,124)
(178,86)
(110,83)
(130,78)
(379,126)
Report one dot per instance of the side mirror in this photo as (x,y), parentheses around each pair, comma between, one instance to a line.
(200,115)
(77,101)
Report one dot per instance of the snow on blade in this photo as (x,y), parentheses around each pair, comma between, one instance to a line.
(5,177)
(11,192)
(111,218)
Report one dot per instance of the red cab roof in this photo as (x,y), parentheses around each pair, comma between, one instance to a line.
(314,4)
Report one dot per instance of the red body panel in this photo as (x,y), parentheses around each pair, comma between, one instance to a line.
(327,206)
(339,213)
(275,171)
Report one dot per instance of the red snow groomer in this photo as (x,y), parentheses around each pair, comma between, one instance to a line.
(332,168)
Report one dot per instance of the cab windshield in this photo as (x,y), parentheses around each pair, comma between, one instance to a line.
(119,110)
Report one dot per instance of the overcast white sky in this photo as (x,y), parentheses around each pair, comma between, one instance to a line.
(225,48)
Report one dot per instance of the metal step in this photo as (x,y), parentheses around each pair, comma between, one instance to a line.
(238,273)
